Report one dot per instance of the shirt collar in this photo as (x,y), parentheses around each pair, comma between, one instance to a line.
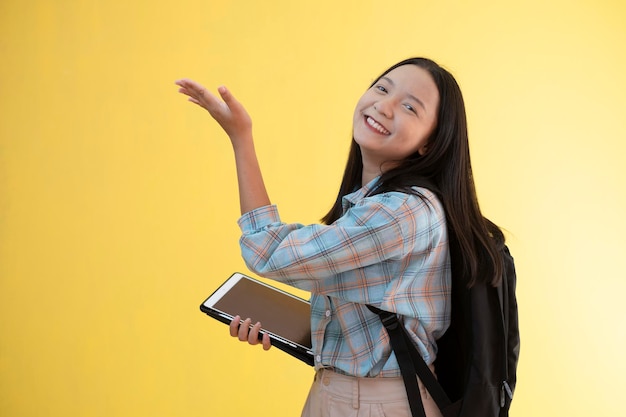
(351,199)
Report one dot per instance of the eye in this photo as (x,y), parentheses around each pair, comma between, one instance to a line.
(381,88)
(410,108)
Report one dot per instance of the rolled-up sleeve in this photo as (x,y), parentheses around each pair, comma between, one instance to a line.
(376,230)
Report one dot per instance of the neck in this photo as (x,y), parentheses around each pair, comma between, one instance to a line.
(373,169)
(368,176)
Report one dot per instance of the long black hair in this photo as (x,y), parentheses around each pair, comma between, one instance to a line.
(446,164)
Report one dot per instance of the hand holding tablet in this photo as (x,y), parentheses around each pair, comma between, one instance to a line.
(246,332)
(286,319)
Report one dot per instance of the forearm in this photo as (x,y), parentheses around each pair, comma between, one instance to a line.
(252,191)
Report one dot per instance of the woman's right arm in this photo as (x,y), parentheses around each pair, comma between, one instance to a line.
(236,122)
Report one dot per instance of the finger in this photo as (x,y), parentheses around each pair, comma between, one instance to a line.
(228,98)
(184,91)
(197,91)
(234,326)
(210,103)
(188,84)
(202,94)
(225,94)
(182,81)
(253,336)
(193,95)
(267,344)
(244,329)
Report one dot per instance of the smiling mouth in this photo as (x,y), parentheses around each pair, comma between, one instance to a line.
(376,126)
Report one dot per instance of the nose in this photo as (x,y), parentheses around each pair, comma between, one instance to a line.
(384,107)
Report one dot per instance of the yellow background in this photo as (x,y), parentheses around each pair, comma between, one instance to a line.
(118,201)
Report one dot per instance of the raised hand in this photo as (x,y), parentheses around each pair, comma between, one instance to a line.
(228,112)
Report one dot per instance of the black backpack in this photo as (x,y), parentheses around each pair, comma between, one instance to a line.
(477,356)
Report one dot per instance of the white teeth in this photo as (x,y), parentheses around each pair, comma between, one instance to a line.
(376,125)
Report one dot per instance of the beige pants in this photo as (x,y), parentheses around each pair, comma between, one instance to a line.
(335,395)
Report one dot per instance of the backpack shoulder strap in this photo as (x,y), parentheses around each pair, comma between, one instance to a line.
(411,363)
(508,303)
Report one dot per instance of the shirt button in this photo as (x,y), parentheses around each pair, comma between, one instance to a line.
(318,358)
(326,381)
(327,313)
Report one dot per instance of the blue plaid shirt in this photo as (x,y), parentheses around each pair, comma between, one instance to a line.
(389,250)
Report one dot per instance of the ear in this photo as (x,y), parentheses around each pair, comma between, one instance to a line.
(423,149)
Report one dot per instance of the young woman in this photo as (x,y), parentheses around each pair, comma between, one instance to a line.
(385,242)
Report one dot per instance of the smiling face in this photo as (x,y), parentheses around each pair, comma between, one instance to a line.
(395,117)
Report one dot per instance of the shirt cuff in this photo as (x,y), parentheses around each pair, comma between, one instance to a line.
(258,218)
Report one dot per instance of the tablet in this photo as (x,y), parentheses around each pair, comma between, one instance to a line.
(285,317)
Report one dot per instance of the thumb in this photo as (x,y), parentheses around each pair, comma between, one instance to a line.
(230,100)
(226,95)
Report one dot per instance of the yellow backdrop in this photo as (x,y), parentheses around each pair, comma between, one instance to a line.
(118,201)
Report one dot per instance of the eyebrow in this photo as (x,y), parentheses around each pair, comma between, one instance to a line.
(411,96)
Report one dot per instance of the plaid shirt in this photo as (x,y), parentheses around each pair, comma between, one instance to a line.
(389,250)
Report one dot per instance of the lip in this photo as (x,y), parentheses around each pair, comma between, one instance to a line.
(377,127)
